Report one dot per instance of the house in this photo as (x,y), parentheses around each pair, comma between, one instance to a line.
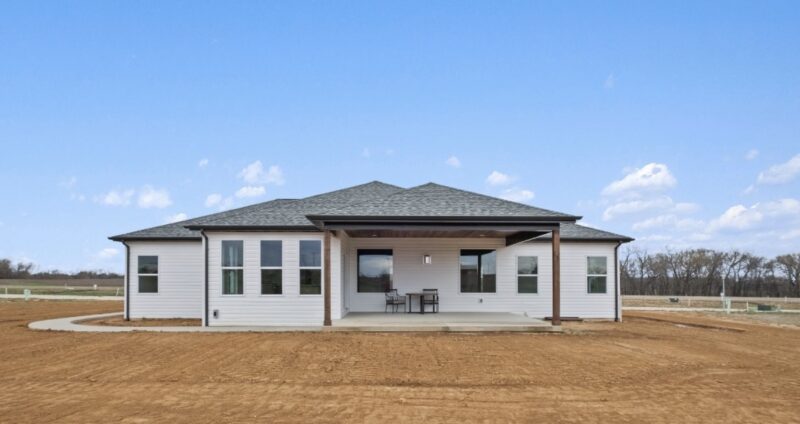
(311,261)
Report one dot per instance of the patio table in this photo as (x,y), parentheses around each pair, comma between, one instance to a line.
(421,295)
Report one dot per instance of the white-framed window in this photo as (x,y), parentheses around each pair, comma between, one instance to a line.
(232,267)
(527,274)
(596,273)
(310,267)
(271,267)
(148,274)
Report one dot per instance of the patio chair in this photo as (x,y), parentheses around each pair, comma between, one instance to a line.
(431,297)
(394,300)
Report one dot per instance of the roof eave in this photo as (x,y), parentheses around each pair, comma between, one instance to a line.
(442,218)
(252,227)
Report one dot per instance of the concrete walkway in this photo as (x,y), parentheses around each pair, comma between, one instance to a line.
(378,322)
(61,297)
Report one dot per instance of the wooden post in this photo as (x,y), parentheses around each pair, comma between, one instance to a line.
(327,277)
(556,319)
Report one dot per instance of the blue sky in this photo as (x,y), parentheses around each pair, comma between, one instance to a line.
(676,123)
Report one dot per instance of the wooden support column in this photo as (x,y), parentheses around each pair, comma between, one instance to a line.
(556,278)
(326,265)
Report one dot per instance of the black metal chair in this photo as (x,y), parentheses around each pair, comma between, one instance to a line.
(394,300)
(431,297)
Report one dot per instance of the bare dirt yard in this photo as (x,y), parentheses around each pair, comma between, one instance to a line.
(654,367)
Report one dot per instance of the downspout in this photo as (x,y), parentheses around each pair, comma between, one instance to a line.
(205,266)
(127,281)
(616,282)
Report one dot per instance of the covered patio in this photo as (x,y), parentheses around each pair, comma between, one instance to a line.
(444,321)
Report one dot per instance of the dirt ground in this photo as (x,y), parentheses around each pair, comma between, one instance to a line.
(645,369)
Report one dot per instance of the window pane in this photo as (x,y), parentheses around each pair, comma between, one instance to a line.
(148,264)
(374,271)
(470,279)
(148,284)
(232,281)
(310,281)
(597,284)
(271,281)
(271,253)
(527,265)
(528,284)
(597,265)
(232,253)
(310,253)
(489,272)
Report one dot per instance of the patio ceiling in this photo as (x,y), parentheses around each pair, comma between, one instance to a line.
(512,233)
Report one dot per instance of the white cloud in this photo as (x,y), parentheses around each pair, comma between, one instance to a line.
(178,217)
(150,197)
(781,173)
(750,189)
(202,163)
(453,161)
(499,178)
(116,198)
(255,174)
(636,206)
(651,177)
(250,191)
(669,221)
(213,199)
(737,217)
(751,154)
(780,207)
(226,204)
(610,82)
(517,195)
(107,253)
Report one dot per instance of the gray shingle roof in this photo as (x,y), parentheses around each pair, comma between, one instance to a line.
(434,200)
(572,231)
(370,199)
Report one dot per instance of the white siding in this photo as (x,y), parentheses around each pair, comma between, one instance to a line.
(252,308)
(180,280)
(409,274)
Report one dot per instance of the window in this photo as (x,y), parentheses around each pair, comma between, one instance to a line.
(310,267)
(596,272)
(233,267)
(527,274)
(478,271)
(374,271)
(271,263)
(148,274)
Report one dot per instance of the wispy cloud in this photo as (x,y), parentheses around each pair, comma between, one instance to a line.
(751,154)
(781,173)
(517,195)
(651,177)
(497,178)
(213,199)
(202,163)
(453,161)
(116,197)
(254,173)
(178,217)
(150,197)
(250,191)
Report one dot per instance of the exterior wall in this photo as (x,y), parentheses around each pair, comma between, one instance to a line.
(253,308)
(180,280)
(409,274)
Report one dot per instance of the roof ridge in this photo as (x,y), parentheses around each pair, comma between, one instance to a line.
(350,188)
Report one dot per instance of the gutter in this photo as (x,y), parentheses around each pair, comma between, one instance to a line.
(617,318)
(205,267)
(127,281)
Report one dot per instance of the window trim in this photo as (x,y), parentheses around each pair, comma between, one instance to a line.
(588,291)
(358,267)
(516,260)
(230,268)
(300,268)
(280,268)
(158,277)
(458,263)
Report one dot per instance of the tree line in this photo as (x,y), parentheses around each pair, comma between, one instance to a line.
(700,272)
(26,270)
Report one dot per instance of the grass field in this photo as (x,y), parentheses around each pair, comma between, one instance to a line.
(653,367)
(708,302)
